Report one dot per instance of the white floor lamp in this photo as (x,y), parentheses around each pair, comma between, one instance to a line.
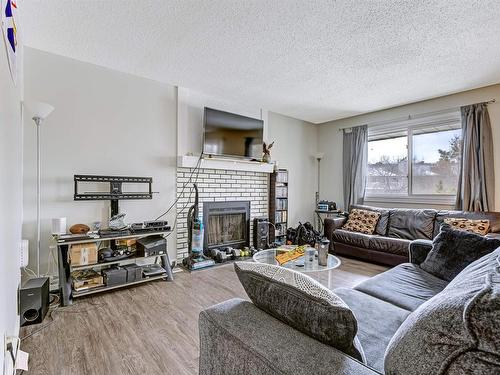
(39,111)
(318,156)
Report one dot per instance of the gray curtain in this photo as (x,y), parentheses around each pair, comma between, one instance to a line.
(355,159)
(476,184)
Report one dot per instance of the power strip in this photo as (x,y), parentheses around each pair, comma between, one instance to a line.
(24,255)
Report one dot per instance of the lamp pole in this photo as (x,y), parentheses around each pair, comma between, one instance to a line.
(317,192)
(317,216)
(38,122)
(39,111)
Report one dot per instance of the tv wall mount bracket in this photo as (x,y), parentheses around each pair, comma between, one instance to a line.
(115,189)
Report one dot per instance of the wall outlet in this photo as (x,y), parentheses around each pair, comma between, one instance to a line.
(10,347)
(25,252)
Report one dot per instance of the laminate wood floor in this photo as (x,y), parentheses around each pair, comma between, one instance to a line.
(147,329)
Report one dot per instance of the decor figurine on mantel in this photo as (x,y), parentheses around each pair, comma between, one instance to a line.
(266,152)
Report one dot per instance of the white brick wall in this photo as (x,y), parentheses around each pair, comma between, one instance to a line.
(219,186)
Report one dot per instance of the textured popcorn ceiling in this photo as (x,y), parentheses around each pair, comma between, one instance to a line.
(314,60)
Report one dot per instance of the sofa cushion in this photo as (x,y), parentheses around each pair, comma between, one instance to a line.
(396,246)
(455,329)
(406,286)
(453,250)
(352,238)
(481,227)
(301,302)
(381,228)
(377,323)
(236,337)
(361,221)
(493,217)
(411,224)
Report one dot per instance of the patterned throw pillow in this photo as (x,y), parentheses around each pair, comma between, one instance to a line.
(481,227)
(301,302)
(362,221)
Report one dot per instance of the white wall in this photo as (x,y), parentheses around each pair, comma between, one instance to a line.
(330,138)
(10,198)
(294,149)
(104,122)
(190,107)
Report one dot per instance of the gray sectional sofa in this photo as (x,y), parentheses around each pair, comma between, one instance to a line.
(409,322)
(396,228)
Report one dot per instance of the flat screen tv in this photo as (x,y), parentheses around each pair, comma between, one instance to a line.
(229,134)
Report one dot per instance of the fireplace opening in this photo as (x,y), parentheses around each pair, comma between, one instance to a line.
(226,224)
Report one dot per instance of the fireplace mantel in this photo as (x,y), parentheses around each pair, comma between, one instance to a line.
(188,161)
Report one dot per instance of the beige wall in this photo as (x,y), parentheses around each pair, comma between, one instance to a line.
(104,122)
(10,199)
(294,149)
(107,122)
(330,138)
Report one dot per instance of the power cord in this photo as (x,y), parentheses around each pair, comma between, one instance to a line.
(197,170)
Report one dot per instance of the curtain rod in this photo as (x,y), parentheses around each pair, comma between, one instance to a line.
(412,117)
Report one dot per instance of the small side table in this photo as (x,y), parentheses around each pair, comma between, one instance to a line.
(320,217)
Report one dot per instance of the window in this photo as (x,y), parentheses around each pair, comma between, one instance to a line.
(388,166)
(433,147)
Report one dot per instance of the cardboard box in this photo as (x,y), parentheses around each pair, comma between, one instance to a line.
(86,279)
(82,254)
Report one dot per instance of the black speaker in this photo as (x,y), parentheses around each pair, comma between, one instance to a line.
(260,232)
(34,301)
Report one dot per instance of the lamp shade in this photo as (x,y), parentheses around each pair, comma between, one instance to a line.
(38,109)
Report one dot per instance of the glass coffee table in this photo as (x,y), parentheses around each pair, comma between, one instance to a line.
(300,264)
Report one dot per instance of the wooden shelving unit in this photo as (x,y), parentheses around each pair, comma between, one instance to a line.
(278,205)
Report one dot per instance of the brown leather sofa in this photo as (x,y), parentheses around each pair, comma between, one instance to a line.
(396,228)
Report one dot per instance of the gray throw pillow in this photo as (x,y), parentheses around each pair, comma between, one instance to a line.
(453,250)
(302,303)
(455,332)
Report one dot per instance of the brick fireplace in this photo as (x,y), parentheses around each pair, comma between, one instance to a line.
(216,185)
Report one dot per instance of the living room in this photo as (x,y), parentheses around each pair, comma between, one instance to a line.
(138,239)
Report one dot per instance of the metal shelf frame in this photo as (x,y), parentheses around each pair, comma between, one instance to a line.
(65,280)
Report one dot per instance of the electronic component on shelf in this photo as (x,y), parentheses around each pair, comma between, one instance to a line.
(327,206)
(74,237)
(111,255)
(153,270)
(142,228)
(103,233)
(155,224)
(114,276)
(150,246)
(134,272)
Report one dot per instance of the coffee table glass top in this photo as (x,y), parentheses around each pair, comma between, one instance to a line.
(300,264)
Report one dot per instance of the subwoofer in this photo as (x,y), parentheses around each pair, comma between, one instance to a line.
(34,301)
(260,232)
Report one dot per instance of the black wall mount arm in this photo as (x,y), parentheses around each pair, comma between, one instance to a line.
(115,189)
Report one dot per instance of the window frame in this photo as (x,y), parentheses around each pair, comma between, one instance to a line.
(451,118)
